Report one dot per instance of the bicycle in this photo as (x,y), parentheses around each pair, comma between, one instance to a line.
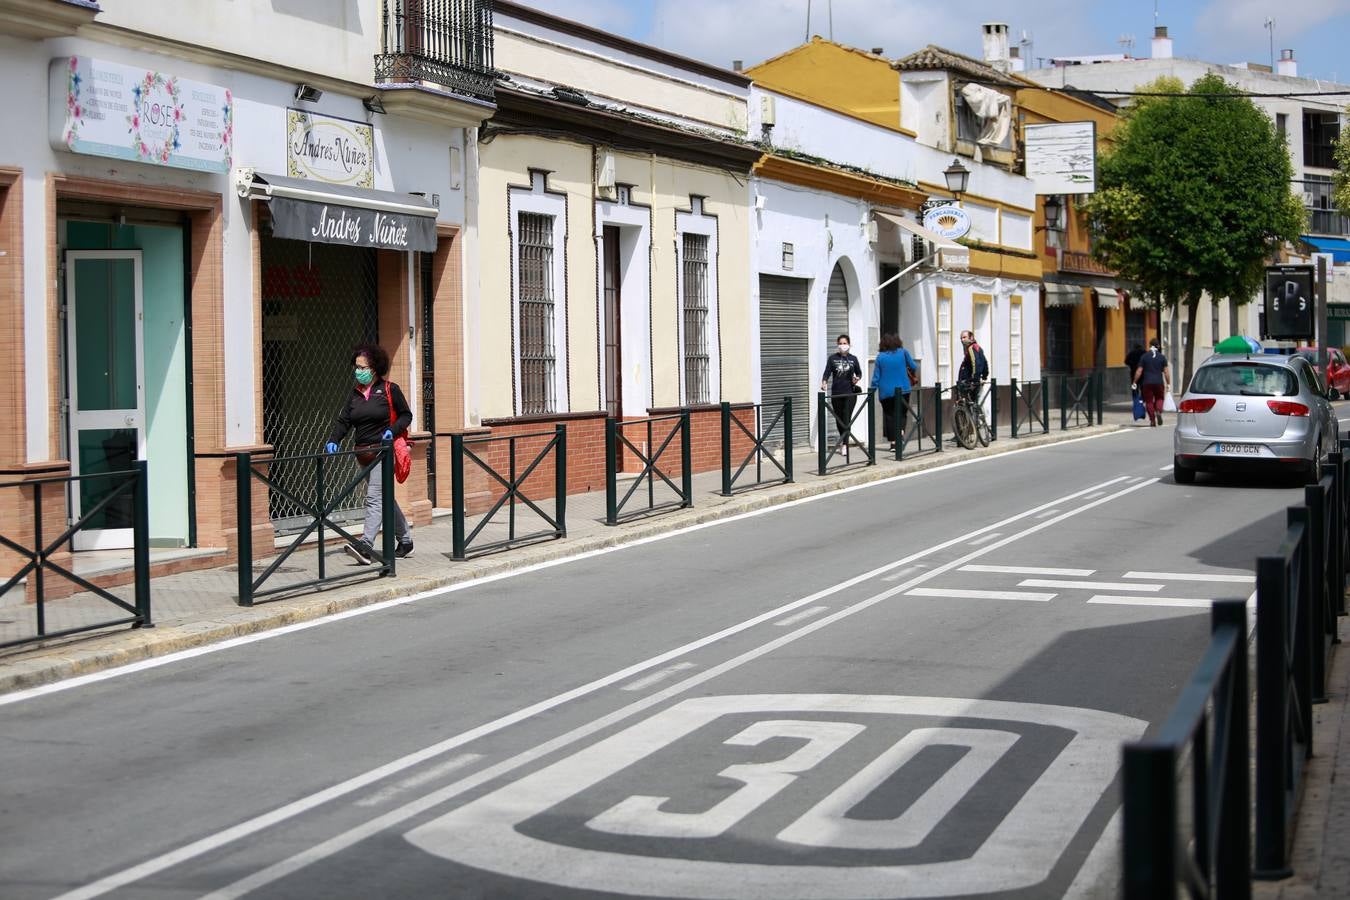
(968,419)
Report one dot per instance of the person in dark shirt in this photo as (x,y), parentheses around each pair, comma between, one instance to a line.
(842,374)
(974,367)
(1132,362)
(376,411)
(1153,379)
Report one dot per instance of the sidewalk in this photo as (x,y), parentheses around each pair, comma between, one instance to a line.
(193,609)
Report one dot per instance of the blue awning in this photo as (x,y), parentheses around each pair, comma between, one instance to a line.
(1339,248)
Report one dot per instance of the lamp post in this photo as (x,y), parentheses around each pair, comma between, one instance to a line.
(1053,207)
(958,177)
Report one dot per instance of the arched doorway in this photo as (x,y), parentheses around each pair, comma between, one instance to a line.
(836,307)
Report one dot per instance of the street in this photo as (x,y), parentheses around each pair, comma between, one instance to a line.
(916,688)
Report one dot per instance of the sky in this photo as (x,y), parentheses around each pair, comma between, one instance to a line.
(1222,31)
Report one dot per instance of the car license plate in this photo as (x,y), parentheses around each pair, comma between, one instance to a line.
(1239,449)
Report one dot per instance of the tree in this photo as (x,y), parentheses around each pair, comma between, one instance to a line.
(1194,197)
(1341,190)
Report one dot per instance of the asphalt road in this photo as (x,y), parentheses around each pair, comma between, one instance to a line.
(914,689)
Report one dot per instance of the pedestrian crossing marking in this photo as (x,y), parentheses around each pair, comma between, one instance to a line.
(1191,576)
(1089,585)
(1026,570)
(1194,602)
(966,594)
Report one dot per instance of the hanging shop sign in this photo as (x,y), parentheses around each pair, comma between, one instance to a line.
(947,221)
(336,151)
(128,112)
(1061,157)
(304,210)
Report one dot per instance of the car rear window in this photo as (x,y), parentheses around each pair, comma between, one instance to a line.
(1246,378)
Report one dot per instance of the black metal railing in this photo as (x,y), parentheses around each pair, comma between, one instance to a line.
(834,433)
(1325,528)
(989,395)
(910,424)
(319,514)
(513,486)
(126,484)
(1207,731)
(770,443)
(445,42)
(618,443)
(1077,401)
(1030,407)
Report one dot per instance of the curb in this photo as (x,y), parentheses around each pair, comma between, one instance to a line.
(47,663)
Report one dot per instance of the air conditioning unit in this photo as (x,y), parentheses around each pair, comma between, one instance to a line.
(604,177)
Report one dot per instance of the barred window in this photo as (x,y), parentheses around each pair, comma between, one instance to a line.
(694,312)
(538,353)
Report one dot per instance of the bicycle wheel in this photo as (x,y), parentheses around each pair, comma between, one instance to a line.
(963,425)
(982,428)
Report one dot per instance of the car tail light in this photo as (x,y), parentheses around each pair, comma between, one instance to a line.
(1202,404)
(1287,408)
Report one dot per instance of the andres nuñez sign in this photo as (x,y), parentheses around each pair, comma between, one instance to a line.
(1289,303)
(323,148)
(351,226)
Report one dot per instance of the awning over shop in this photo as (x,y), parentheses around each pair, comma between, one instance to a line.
(1107,298)
(951,255)
(305,210)
(1339,248)
(1062,294)
(1139,304)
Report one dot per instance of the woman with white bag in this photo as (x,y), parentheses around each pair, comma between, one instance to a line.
(1154,380)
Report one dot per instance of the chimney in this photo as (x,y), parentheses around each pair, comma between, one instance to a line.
(996,45)
(1015,61)
(737,65)
(878,51)
(1162,44)
(1287,64)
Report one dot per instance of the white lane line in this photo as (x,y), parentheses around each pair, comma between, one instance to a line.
(1166,468)
(450,765)
(1100,875)
(1191,576)
(963,594)
(1027,570)
(806,614)
(657,677)
(244,829)
(1089,585)
(142,665)
(1048,513)
(1094,496)
(907,570)
(1195,602)
(984,539)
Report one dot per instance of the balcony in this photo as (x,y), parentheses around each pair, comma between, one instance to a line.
(1328,221)
(442,45)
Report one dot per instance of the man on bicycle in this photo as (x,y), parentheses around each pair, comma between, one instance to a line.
(974,367)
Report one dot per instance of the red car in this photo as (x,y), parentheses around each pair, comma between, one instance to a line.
(1338,370)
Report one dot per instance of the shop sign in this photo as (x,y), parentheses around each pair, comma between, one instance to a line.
(351,226)
(322,148)
(947,221)
(1338,311)
(129,112)
(1289,303)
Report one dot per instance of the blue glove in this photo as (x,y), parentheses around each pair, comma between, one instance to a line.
(388,435)
(330,447)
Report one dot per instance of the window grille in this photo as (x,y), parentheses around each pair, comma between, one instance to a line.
(538,352)
(694,307)
(943,345)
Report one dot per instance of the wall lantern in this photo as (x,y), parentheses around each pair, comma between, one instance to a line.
(958,176)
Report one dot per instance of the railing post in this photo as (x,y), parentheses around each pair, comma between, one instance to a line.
(457,496)
(937,415)
(611,473)
(686,459)
(1064,403)
(1273,743)
(820,432)
(1233,845)
(141,542)
(1045,406)
(318,502)
(1149,822)
(1101,395)
(726,449)
(387,504)
(871,426)
(1014,397)
(243,497)
(993,409)
(899,423)
(1315,499)
(560,479)
(1301,663)
(787,438)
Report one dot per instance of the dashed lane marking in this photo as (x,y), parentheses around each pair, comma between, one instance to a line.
(986,538)
(964,594)
(1166,468)
(803,615)
(656,677)
(908,570)
(1048,513)
(450,765)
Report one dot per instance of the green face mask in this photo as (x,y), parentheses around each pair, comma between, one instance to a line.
(364,376)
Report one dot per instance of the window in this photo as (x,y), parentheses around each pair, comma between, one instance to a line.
(1320,131)
(1248,379)
(1136,326)
(1323,217)
(969,126)
(1213,322)
(538,351)
(1015,338)
(694,318)
(1282,124)
(943,345)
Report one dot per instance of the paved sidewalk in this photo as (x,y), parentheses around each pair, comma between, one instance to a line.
(197,608)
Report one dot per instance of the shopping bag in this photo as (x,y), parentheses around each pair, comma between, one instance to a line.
(1139,411)
(1169,402)
(402,450)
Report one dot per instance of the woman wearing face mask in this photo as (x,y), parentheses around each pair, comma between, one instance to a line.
(370,407)
(842,374)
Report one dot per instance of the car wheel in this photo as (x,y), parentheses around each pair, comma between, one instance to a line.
(1182,474)
(1314,471)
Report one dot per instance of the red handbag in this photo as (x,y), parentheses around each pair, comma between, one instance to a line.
(402,451)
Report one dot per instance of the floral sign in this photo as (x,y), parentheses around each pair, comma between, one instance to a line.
(126,112)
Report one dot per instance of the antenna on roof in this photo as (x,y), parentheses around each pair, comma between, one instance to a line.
(1270,26)
(829,5)
(1126,42)
(1027,44)
(808,20)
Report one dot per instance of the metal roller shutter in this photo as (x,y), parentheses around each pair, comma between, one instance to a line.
(836,309)
(784,351)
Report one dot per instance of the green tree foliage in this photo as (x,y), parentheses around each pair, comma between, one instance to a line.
(1194,197)
(1341,189)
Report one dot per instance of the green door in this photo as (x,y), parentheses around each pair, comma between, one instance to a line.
(106,382)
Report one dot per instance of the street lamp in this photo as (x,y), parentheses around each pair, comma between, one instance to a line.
(1053,206)
(958,176)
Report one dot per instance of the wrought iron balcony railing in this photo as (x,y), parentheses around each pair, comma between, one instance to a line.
(445,42)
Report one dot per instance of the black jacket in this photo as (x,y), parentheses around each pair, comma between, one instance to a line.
(369,418)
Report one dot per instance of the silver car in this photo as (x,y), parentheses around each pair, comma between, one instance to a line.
(1254,411)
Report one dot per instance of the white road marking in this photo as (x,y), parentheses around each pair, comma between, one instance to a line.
(168,659)
(452,764)
(808,613)
(1089,585)
(658,676)
(1027,570)
(1191,576)
(1196,602)
(1102,862)
(1094,496)
(984,539)
(896,576)
(1166,468)
(359,833)
(1048,513)
(965,594)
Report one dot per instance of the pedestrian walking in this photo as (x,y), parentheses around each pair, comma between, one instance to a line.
(375,411)
(1131,363)
(892,374)
(840,381)
(1153,379)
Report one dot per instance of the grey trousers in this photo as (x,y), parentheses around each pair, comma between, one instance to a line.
(375,509)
